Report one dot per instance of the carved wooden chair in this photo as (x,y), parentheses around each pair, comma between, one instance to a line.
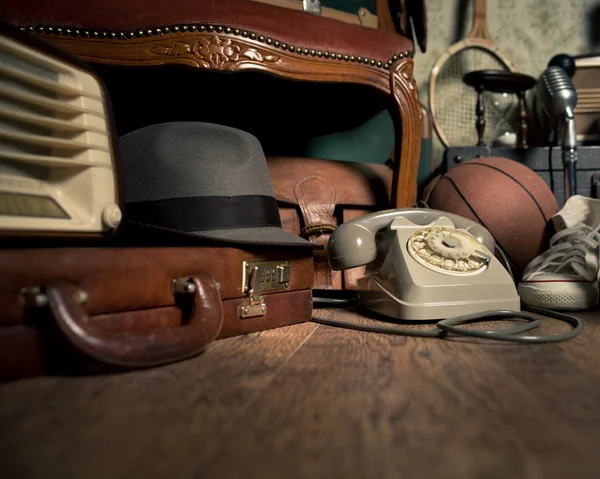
(241,35)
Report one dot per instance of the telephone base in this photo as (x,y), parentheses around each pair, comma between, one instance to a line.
(375,295)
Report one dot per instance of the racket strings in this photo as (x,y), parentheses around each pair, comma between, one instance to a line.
(455,102)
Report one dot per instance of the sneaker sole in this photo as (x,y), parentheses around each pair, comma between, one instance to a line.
(559,295)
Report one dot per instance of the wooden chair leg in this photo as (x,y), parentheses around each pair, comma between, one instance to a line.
(408,139)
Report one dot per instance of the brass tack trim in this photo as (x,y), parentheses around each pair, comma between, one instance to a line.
(125,35)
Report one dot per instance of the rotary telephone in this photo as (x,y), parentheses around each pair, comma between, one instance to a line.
(423,264)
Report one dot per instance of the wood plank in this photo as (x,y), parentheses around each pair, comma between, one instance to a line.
(152,423)
(357,405)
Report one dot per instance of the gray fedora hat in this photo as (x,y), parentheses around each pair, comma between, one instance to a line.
(204,180)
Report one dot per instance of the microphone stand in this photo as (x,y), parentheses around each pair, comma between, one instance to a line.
(569,154)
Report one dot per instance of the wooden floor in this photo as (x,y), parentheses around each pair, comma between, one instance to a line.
(312,401)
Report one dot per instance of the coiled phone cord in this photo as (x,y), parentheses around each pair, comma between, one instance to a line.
(451,326)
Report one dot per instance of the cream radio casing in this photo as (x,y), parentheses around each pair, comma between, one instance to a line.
(58,155)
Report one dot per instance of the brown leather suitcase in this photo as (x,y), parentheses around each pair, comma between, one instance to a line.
(75,310)
(314,196)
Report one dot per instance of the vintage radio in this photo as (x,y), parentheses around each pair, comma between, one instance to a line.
(58,154)
(587,113)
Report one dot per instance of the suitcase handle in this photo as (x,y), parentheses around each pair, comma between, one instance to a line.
(147,348)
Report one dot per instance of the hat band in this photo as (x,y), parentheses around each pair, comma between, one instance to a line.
(199,213)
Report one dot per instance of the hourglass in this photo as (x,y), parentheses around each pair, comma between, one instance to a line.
(504,83)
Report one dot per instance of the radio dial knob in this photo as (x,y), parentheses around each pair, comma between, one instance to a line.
(112,215)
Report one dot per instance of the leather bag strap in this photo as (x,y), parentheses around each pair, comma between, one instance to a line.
(316,198)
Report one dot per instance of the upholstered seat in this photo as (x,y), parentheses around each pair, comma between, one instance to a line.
(239,35)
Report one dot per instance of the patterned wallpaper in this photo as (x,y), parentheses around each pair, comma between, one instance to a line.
(528,32)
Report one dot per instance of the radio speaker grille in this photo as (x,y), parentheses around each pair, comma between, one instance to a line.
(54,143)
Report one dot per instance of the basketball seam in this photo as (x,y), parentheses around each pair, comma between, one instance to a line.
(515,180)
(477,216)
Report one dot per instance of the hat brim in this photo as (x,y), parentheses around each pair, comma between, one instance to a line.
(264,236)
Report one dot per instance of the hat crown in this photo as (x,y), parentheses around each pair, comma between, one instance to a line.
(191,159)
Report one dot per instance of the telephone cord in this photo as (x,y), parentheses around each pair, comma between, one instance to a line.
(450,326)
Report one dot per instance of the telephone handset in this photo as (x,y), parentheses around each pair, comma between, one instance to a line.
(423,264)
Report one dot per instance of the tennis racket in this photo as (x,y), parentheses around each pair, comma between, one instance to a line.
(452,103)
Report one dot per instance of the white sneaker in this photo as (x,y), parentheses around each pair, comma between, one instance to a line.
(577,210)
(566,276)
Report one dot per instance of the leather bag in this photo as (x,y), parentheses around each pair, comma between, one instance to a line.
(314,196)
(71,310)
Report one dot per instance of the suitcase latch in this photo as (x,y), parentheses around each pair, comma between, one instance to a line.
(260,277)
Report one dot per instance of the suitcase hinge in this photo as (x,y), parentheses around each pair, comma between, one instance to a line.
(186,286)
(35,297)
(259,277)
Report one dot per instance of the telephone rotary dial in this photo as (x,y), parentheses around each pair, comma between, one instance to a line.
(423,264)
(447,250)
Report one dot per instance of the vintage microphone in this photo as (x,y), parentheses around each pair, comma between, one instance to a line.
(559,98)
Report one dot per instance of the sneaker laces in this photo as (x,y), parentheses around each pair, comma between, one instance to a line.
(567,253)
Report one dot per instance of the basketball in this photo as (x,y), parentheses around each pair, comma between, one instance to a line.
(511,200)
